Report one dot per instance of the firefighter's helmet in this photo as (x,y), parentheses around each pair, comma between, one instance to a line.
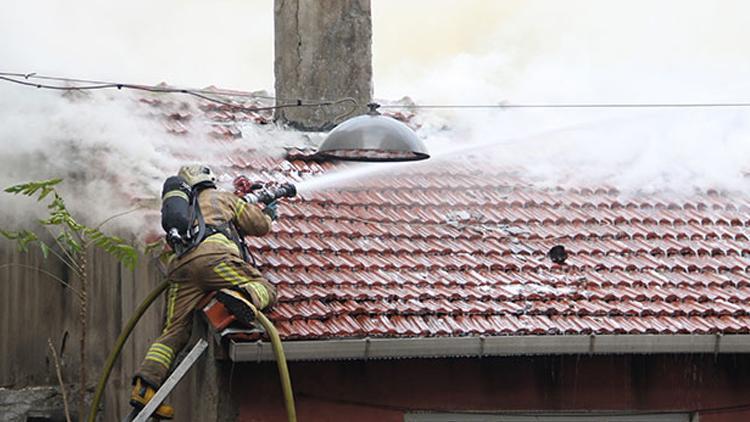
(197,175)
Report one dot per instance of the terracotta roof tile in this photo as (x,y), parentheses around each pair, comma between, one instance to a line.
(425,258)
(460,248)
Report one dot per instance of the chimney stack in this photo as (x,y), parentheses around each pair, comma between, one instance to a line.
(323,52)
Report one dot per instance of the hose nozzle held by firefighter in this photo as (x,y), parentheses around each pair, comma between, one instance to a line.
(256,193)
(271,194)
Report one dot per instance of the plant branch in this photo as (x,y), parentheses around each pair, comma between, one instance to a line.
(59,379)
(67,263)
(118,215)
(80,237)
(78,293)
(71,262)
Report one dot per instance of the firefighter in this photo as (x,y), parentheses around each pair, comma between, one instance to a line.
(213,263)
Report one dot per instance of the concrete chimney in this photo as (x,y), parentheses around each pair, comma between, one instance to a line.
(323,51)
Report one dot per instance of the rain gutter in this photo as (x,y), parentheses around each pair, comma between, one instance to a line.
(480,346)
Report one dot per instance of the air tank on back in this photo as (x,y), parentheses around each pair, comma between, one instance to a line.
(175,208)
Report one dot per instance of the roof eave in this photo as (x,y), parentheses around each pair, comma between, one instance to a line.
(480,346)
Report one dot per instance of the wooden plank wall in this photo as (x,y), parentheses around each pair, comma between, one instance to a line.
(33,308)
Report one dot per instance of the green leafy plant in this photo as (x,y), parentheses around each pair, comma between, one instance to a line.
(59,234)
(69,234)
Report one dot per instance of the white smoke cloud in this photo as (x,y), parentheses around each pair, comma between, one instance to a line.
(103,147)
(112,150)
(584,51)
(109,148)
(183,42)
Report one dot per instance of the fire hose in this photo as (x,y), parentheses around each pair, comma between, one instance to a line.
(278,350)
(253,193)
(115,353)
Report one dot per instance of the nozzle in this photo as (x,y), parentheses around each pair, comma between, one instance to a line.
(287,190)
(266,196)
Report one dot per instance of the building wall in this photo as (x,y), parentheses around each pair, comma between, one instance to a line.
(385,390)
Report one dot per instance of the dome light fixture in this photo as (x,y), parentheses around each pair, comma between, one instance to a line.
(373,137)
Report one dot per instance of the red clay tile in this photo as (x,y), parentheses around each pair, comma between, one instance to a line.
(460,249)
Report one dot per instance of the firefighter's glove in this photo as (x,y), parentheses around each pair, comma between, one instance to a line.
(271,210)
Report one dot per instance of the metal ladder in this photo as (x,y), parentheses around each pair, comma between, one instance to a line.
(142,415)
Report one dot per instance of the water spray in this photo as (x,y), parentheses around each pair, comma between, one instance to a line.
(335,178)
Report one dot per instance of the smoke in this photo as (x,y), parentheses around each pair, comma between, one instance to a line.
(580,51)
(183,42)
(111,149)
(102,146)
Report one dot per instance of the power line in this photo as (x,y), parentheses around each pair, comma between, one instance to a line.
(208,95)
(214,91)
(572,105)
(202,94)
(208,91)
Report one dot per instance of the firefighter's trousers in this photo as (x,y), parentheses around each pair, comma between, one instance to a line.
(189,283)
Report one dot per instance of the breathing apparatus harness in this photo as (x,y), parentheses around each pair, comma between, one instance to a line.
(183,222)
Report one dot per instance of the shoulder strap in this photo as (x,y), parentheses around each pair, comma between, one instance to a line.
(193,238)
(228,229)
(201,224)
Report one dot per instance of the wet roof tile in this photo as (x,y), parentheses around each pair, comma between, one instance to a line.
(461,248)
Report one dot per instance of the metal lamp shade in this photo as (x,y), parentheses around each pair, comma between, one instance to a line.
(374,138)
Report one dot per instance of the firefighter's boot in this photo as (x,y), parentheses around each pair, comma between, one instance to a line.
(238,305)
(142,394)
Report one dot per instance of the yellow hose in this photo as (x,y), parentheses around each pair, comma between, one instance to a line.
(278,351)
(115,353)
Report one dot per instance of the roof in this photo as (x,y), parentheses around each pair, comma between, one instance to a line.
(459,250)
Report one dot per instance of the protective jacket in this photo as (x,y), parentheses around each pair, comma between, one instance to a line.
(216,263)
(234,218)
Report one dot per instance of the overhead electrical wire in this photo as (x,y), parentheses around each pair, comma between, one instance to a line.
(202,94)
(215,91)
(209,94)
(571,105)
